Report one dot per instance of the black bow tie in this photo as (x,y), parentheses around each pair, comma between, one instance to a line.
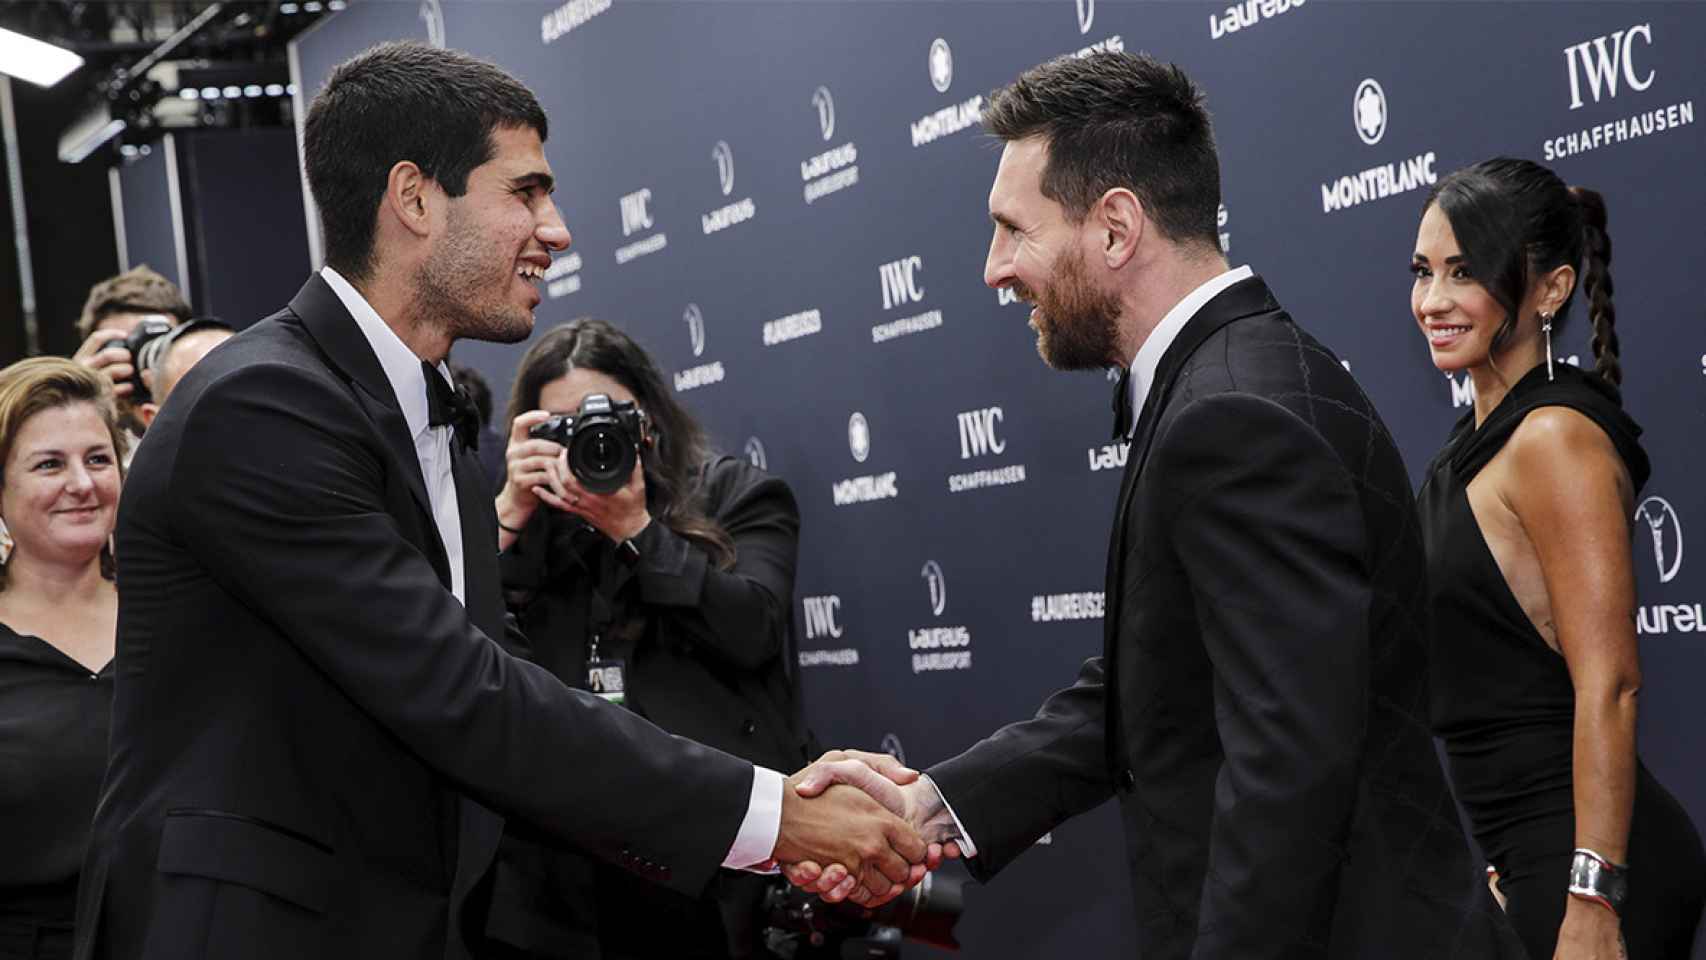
(1122,406)
(447,405)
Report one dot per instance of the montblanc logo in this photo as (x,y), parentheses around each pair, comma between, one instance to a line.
(754,451)
(823,617)
(858,436)
(704,374)
(941,65)
(1666,529)
(1086,14)
(1368,111)
(695,328)
(725,159)
(1602,68)
(938,586)
(891,746)
(824,101)
(876,486)
(728,215)
(432,14)
(954,117)
(637,218)
(1601,58)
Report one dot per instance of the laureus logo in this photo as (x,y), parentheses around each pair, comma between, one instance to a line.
(725,158)
(755,453)
(941,65)
(891,746)
(858,436)
(1086,14)
(1368,110)
(1666,528)
(825,105)
(695,328)
(938,584)
(432,15)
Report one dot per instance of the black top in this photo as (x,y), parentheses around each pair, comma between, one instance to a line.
(1502,698)
(54,716)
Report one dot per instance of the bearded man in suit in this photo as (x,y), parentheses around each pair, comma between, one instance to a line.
(315,731)
(1260,708)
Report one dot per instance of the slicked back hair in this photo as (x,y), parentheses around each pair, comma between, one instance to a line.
(394,102)
(1119,120)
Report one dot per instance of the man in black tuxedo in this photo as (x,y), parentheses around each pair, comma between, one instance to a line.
(314,732)
(1260,706)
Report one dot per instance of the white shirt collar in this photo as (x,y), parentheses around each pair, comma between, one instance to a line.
(400,364)
(1149,355)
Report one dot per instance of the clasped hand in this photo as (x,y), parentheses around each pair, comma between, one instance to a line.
(862,827)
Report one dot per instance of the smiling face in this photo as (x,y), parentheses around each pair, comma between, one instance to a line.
(1038,253)
(1457,315)
(483,274)
(61,485)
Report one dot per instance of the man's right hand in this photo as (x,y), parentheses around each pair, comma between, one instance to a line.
(114,362)
(845,826)
(530,472)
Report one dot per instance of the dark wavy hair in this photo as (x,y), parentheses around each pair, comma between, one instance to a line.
(1515,221)
(674,462)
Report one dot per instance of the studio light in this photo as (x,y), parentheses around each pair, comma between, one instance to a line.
(27,58)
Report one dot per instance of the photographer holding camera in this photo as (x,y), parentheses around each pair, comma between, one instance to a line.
(122,315)
(661,577)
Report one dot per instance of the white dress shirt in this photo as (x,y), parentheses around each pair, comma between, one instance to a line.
(1143,368)
(763,822)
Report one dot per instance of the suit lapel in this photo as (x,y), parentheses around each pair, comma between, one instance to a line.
(324,317)
(1242,299)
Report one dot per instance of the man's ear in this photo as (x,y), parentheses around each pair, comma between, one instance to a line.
(1119,223)
(146,412)
(408,196)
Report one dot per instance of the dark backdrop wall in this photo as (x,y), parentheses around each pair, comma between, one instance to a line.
(785,203)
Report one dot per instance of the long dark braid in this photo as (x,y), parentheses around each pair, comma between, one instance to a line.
(1596,281)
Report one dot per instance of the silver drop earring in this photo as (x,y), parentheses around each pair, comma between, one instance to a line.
(1546,328)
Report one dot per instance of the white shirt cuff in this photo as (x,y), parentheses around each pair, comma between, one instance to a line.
(967,848)
(757,837)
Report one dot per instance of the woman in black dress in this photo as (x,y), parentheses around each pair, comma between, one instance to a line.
(60,449)
(671,595)
(1525,515)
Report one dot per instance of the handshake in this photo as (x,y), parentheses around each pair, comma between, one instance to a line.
(862,827)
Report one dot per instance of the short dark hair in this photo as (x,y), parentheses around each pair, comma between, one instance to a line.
(394,102)
(1516,220)
(137,290)
(1119,120)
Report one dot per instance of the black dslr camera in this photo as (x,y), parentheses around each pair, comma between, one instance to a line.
(603,439)
(149,331)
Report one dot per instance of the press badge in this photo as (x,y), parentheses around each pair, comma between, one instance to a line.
(607,679)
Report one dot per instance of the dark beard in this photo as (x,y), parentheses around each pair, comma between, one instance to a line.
(1078,325)
(443,284)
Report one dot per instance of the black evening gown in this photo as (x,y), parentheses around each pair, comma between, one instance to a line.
(1504,704)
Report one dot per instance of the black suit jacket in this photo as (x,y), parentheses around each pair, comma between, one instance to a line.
(1260,707)
(309,733)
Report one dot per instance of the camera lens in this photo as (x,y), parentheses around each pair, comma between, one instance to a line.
(602,457)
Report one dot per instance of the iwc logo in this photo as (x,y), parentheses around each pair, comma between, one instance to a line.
(858,437)
(1666,530)
(695,328)
(825,104)
(941,65)
(938,584)
(1368,110)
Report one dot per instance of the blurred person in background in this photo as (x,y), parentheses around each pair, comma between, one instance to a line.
(117,307)
(1526,519)
(491,446)
(682,581)
(60,450)
(165,361)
